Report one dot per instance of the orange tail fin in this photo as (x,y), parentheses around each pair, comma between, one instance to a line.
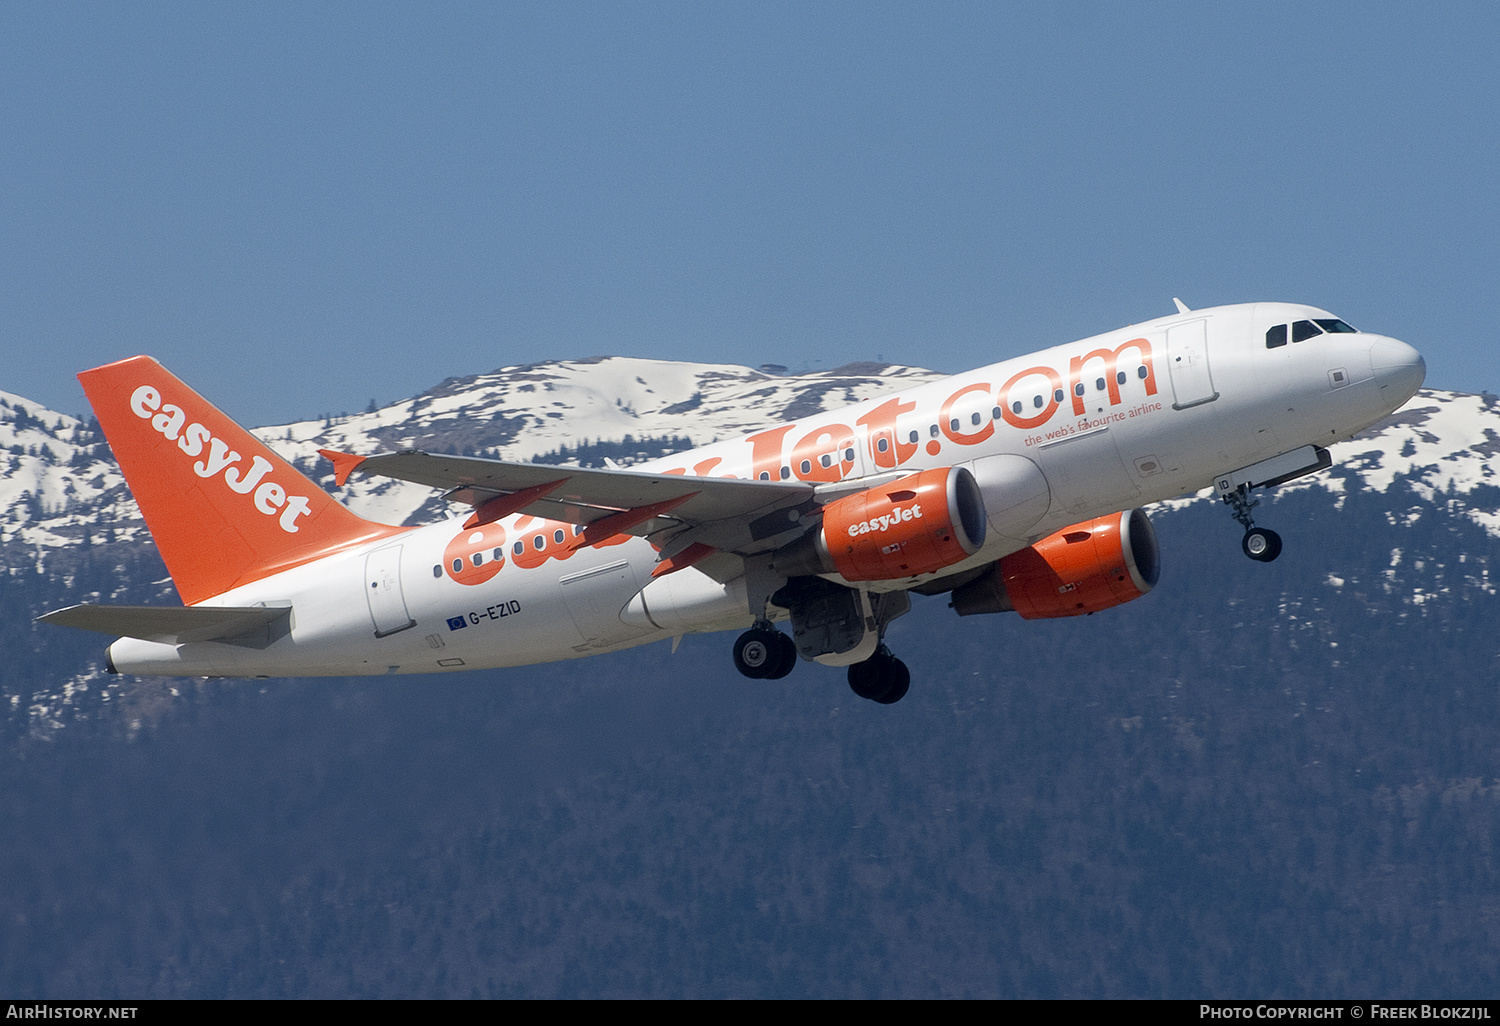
(224,509)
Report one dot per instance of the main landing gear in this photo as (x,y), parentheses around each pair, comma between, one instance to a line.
(765,653)
(881,678)
(831,624)
(1260,544)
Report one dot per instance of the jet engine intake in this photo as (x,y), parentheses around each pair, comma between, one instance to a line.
(912,526)
(1081,569)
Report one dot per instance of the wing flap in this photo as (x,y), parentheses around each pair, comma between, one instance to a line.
(173,625)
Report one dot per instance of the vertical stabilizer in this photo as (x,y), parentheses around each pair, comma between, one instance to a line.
(224,509)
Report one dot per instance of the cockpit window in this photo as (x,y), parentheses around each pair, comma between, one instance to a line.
(1303,330)
(1335,326)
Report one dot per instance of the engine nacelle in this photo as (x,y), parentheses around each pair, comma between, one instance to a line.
(912,526)
(1081,569)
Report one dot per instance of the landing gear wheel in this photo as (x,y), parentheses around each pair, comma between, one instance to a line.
(900,678)
(755,653)
(764,653)
(865,679)
(881,678)
(785,650)
(1261,545)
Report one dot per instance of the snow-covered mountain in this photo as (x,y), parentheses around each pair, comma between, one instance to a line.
(61,480)
(70,531)
(529,412)
(60,483)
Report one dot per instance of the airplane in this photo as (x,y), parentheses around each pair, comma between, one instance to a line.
(1014,487)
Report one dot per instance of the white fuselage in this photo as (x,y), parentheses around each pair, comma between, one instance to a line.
(1131,417)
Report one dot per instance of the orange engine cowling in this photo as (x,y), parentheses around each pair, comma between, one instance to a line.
(912,526)
(1081,569)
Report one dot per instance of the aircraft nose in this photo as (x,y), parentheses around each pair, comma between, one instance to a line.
(1399,369)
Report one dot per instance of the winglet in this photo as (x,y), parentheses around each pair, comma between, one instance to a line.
(1181,306)
(344,463)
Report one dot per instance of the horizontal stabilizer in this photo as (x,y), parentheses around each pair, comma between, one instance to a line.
(172,625)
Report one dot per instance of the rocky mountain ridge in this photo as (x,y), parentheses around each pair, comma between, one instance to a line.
(61,480)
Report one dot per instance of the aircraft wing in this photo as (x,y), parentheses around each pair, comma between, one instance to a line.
(173,625)
(727,514)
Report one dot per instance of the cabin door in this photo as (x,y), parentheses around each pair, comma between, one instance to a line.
(1187,363)
(383,591)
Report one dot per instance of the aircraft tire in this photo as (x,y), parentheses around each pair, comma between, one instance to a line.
(785,650)
(1261,545)
(866,680)
(881,678)
(757,653)
(899,681)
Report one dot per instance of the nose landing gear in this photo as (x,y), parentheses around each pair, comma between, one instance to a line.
(1234,488)
(1260,544)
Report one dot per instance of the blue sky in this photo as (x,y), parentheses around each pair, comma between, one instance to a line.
(301,207)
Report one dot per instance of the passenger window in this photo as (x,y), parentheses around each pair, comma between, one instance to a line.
(1276,337)
(1335,326)
(1303,330)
